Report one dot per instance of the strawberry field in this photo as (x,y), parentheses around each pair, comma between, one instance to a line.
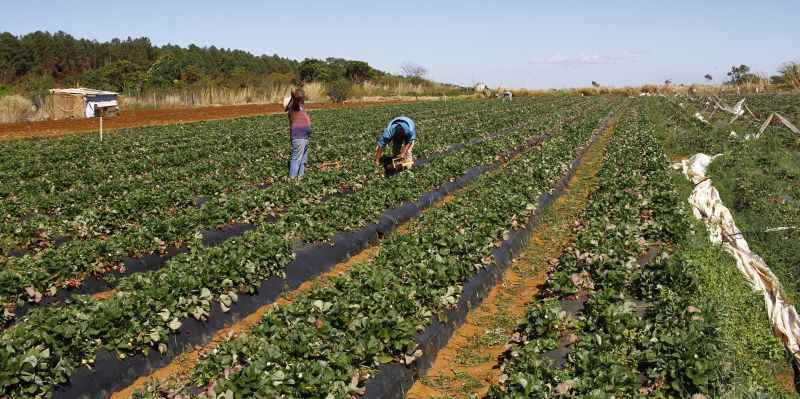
(134,266)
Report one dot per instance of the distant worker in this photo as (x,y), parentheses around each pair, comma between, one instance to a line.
(300,133)
(402,133)
(507,96)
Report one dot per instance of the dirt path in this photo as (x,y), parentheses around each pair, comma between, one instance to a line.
(468,364)
(156,117)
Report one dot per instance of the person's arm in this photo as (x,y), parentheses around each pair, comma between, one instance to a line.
(406,149)
(385,138)
(378,153)
(411,137)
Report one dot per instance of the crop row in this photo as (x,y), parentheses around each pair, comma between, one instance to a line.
(100,198)
(328,339)
(68,264)
(78,192)
(612,321)
(147,307)
(73,260)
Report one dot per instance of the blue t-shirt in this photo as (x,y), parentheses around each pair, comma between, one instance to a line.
(408,127)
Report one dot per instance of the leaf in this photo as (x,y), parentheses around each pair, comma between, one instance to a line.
(322,305)
(174,324)
(383,359)
(225,300)
(31,359)
(33,294)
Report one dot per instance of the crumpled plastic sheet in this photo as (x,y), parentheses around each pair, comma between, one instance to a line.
(737,109)
(699,117)
(782,119)
(707,206)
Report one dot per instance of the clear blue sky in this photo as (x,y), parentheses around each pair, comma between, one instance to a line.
(514,43)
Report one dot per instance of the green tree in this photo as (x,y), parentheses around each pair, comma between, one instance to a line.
(165,72)
(192,74)
(123,76)
(15,62)
(357,71)
(311,70)
(339,90)
(738,75)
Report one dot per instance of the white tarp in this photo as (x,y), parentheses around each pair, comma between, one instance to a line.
(105,104)
(707,206)
(90,107)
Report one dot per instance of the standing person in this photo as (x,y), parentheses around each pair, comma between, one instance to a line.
(402,133)
(300,131)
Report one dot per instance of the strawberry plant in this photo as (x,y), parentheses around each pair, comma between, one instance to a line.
(148,218)
(148,307)
(637,331)
(332,337)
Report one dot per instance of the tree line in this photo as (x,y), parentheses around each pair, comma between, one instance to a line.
(38,61)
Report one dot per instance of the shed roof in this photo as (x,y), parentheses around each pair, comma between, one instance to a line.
(82,91)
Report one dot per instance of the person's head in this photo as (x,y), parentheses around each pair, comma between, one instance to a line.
(298,100)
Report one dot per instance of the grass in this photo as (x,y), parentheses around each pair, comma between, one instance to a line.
(750,177)
(753,359)
(15,108)
(760,182)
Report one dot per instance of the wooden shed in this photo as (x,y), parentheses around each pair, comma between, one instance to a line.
(83,103)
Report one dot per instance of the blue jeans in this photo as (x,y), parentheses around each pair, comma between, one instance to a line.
(297,164)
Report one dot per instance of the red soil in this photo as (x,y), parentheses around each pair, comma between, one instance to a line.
(153,117)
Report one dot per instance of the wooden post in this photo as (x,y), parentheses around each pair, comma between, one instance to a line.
(101,123)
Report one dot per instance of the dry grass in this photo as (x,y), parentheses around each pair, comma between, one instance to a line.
(15,108)
(790,73)
(207,97)
(756,86)
(315,92)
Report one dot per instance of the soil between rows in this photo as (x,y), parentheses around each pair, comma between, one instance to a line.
(186,361)
(179,369)
(100,289)
(468,364)
(182,366)
(157,117)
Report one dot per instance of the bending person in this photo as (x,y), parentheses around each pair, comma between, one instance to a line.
(402,133)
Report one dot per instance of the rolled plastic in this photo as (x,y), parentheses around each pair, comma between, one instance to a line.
(707,206)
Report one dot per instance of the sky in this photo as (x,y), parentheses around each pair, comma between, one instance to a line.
(510,43)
